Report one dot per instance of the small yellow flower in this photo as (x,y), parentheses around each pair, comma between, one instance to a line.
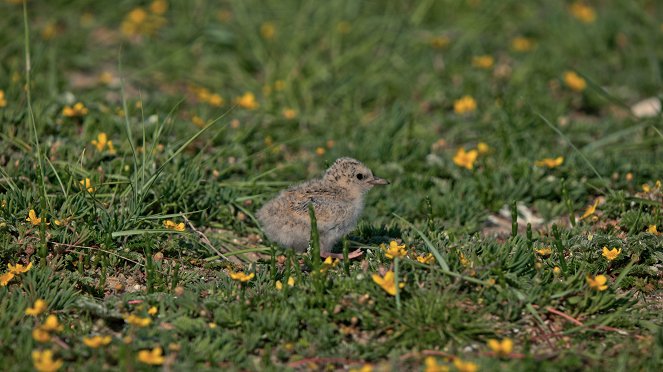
(152,357)
(291,281)
(465,104)
(483,148)
(557,270)
(215,100)
(268,30)
(484,62)
(583,13)
(598,282)
(364,368)
(137,321)
(501,348)
(211,325)
(41,335)
(550,162)
(590,210)
(102,142)
(320,151)
(247,101)
(159,7)
(646,188)
(6,278)
(52,324)
(153,311)
(43,361)
(78,110)
(37,308)
(432,366)
(522,44)
(278,285)
(19,269)
(611,254)
(440,42)
(394,250)
(3,100)
(652,230)
(86,184)
(97,341)
(574,81)
(544,251)
(137,15)
(387,282)
(465,159)
(105,77)
(240,276)
(289,113)
(463,366)
(171,225)
(426,259)
(327,264)
(463,260)
(32,217)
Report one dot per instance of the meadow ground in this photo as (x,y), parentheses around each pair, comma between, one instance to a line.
(522,139)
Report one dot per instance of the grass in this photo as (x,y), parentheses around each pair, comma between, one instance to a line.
(212,108)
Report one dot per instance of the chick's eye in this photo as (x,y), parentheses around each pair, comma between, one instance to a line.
(360,176)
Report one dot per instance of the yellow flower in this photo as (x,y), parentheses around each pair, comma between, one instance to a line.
(153,311)
(43,361)
(320,151)
(598,282)
(465,159)
(102,141)
(326,265)
(215,100)
(77,110)
(86,184)
(153,357)
(247,101)
(291,281)
(463,260)
(278,285)
(646,188)
(37,308)
(159,7)
(40,335)
(463,366)
(432,366)
(394,250)
(582,12)
(170,225)
(97,341)
(464,105)
(426,259)
(268,30)
(289,113)
(557,270)
(387,282)
(52,324)
(364,368)
(6,278)
(522,44)
(439,42)
(3,100)
(611,254)
(240,276)
(19,269)
(32,217)
(574,81)
(484,62)
(550,162)
(483,148)
(137,321)
(211,325)
(137,15)
(652,230)
(501,348)
(544,251)
(590,210)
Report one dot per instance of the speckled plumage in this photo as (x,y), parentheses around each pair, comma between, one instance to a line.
(338,200)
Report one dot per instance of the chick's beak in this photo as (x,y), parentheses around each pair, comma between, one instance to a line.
(378,181)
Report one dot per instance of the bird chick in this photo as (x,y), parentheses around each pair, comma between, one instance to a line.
(337,198)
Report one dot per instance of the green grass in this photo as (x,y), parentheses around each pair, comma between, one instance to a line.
(368,80)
